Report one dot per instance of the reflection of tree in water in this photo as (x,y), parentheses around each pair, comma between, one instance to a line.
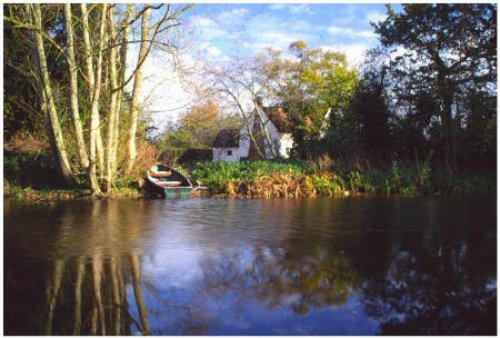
(438,281)
(434,275)
(317,277)
(85,279)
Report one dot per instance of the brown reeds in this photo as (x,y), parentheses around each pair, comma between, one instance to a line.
(267,187)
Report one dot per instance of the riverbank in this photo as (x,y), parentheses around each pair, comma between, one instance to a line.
(31,178)
(264,179)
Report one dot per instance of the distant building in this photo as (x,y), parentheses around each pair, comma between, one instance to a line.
(227,146)
(236,145)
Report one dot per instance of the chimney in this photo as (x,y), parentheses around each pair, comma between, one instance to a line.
(258,101)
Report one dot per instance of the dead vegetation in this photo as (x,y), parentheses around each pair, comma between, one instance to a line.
(274,186)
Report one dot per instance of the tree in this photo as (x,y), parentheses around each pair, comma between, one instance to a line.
(314,85)
(448,48)
(73,69)
(94,118)
(58,145)
(146,43)
(370,107)
(112,108)
(203,122)
(92,49)
(137,87)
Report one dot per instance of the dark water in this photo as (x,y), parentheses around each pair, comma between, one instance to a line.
(307,267)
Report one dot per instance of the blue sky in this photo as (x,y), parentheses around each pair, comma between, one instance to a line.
(216,33)
(225,29)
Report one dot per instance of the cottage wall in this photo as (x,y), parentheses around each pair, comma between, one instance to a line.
(274,135)
(226,154)
(244,143)
(286,144)
(282,144)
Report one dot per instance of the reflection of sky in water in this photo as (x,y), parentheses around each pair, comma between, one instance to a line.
(255,319)
(228,313)
(327,267)
(172,267)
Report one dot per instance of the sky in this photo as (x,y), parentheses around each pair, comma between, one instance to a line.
(224,29)
(220,32)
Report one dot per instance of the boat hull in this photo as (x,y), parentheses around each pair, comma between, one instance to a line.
(167,183)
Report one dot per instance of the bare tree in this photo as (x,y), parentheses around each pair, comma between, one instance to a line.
(104,80)
(58,145)
(239,84)
(121,79)
(73,69)
(112,109)
(94,118)
(134,114)
(146,44)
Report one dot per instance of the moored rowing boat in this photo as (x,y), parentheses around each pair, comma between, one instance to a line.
(167,182)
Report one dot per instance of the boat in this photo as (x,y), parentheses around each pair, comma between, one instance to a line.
(166,182)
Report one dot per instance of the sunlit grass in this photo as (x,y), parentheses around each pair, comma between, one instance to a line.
(267,179)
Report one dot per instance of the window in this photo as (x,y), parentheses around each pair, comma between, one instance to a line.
(229,153)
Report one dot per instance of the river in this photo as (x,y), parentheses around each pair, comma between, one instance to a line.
(356,266)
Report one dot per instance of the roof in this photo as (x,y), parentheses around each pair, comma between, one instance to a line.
(279,117)
(227,138)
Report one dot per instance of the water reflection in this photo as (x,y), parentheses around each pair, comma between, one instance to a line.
(251,267)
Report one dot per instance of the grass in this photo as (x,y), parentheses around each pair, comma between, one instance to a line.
(267,179)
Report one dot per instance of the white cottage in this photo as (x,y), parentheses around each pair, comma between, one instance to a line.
(227,146)
(236,145)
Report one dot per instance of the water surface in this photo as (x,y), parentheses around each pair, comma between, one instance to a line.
(251,267)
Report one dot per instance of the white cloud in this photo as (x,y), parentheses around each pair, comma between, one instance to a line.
(277,7)
(214,51)
(300,9)
(375,17)
(232,15)
(355,53)
(162,92)
(207,27)
(346,31)
(267,30)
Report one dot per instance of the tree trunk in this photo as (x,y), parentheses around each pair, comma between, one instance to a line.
(89,67)
(134,116)
(100,150)
(73,69)
(260,111)
(123,67)
(112,129)
(94,112)
(43,97)
(57,146)
(445,91)
(248,121)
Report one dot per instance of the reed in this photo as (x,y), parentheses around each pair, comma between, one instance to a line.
(265,179)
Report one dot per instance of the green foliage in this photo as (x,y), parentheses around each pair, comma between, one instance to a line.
(437,92)
(215,173)
(197,128)
(18,166)
(325,185)
(308,84)
(399,178)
